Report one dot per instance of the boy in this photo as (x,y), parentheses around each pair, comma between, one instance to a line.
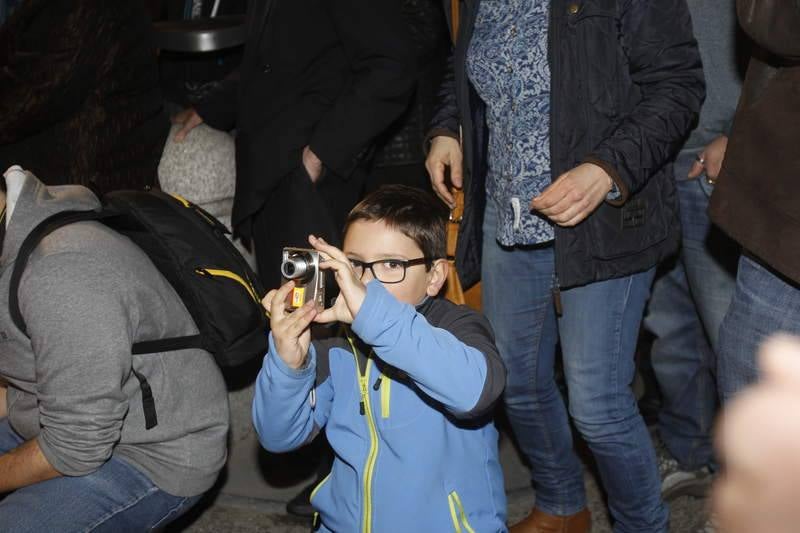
(405,395)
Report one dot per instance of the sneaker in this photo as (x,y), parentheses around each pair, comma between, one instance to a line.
(676,481)
(300,505)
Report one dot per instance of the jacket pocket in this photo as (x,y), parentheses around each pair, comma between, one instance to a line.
(458,514)
(641,223)
(400,402)
(386,395)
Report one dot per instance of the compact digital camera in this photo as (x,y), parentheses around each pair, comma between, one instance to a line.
(301,265)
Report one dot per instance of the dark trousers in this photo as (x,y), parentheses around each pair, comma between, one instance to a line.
(297,208)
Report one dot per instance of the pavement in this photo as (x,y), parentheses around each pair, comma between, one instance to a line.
(231,509)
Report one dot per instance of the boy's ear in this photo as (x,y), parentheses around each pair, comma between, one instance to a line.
(437,276)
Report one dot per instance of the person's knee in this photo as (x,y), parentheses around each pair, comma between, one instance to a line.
(603,419)
(528,396)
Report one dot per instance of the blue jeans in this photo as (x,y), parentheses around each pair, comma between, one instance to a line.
(764,303)
(115,498)
(598,332)
(686,308)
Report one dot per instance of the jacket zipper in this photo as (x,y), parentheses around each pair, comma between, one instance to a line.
(217,273)
(554,34)
(365,408)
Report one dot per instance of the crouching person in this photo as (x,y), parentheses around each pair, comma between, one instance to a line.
(405,394)
(75,451)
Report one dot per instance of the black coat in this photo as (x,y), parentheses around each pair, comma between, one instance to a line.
(332,75)
(626,87)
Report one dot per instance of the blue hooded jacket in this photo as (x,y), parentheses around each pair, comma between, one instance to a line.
(406,407)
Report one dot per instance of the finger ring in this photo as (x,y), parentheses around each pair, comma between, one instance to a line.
(711,181)
(701,159)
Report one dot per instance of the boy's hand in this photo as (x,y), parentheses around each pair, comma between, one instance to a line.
(351,290)
(290,331)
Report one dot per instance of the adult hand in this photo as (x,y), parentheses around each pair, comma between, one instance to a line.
(290,330)
(188,119)
(351,290)
(445,152)
(710,159)
(312,164)
(574,195)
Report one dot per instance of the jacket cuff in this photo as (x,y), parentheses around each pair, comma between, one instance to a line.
(438,132)
(622,191)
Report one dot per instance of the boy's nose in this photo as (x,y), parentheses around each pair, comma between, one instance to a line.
(367,276)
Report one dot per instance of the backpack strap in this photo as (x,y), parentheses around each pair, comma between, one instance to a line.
(45,228)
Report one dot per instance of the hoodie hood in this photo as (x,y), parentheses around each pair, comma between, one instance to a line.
(29,202)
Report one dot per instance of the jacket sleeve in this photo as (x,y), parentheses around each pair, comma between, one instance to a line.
(43,80)
(664,63)
(80,329)
(382,61)
(445,119)
(286,414)
(772,24)
(219,108)
(461,369)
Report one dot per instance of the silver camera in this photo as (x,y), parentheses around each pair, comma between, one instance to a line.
(301,265)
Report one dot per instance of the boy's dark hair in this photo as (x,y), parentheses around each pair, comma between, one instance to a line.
(416,213)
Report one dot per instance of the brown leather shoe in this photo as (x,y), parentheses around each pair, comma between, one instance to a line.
(541,522)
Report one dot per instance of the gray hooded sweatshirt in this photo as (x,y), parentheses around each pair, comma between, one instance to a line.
(87,295)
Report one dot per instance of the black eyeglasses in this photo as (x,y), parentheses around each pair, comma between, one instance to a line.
(388,270)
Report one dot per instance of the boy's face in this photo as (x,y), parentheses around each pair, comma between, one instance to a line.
(368,241)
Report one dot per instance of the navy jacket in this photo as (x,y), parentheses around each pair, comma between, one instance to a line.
(627,85)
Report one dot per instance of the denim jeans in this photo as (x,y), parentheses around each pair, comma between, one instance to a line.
(686,308)
(115,498)
(598,331)
(763,303)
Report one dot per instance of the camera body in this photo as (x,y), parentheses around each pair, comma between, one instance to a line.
(301,265)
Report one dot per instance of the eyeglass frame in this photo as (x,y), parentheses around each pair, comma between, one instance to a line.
(364,265)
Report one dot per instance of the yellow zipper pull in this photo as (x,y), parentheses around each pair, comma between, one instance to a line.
(363,384)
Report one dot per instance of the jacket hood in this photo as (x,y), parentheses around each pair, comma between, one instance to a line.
(29,202)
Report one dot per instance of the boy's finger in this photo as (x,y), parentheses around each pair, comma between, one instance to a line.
(333,264)
(266,301)
(297,323)
(326,317)
(279,300)
(319,244)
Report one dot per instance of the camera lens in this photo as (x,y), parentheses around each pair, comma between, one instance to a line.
(298,266)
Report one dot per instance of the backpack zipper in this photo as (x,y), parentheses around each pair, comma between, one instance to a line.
(217,273)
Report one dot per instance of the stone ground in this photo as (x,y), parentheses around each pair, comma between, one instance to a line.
(240,514)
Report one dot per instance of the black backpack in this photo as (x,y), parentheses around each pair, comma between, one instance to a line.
(190,249)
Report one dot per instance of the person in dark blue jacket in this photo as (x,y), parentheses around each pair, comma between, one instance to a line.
(570,112)
(405,395)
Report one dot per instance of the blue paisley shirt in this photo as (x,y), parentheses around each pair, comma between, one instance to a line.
(507,65)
